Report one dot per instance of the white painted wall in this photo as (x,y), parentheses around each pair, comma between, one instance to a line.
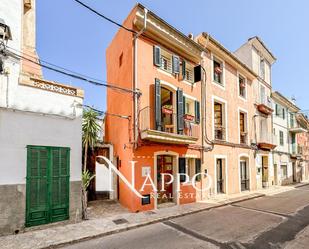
(28,118)
(17,130)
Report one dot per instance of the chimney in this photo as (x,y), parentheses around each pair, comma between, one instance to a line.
(190,35)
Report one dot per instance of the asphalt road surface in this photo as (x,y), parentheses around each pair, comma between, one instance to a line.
(278,221)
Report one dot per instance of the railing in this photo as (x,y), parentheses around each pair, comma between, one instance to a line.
(268,138)
(220,133)
(191,129)
(297,149)
(243,137)
(265,101)
(168,123)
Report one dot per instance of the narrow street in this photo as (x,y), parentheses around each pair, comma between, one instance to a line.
(278,221)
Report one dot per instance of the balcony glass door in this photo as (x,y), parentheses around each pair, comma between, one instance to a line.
(244,176)
(164,166)
(220,176)
(167,110)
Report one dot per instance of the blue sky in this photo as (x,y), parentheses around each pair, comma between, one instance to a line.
(72,37)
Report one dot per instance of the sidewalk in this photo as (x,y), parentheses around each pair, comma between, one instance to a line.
(70,233)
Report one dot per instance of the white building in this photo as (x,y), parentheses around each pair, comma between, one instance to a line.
(283,121)
(40,132)
(257,56)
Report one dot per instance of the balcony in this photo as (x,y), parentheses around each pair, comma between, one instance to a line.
(264,105)
(297,151)
(296,128)
(243,137)
(220,133)
(267,141)
(168,133)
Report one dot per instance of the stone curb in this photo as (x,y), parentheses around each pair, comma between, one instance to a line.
(302,185)
(134,226)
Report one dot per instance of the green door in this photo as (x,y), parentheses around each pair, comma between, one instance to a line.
(47,189)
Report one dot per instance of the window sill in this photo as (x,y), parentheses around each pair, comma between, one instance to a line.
(221,85)
(242,98)
(188,83)
(168,73)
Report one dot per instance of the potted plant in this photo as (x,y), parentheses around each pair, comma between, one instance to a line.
(90,130)
(188,117)
(218,70)
(242,84)
(167,109)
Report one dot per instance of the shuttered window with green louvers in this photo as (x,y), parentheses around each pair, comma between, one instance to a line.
(157,110)
(180,111)
(47,187)
(182,168)
(175,64)
(198,168)
(156,56)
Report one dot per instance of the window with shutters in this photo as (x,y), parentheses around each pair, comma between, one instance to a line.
(219,121)
(243,128)
(280,111)
(217,71)
(281,136)
(242,86)
(187,71)
(191,167)
(168,114)
(262,68)
(166,61)
(47,187)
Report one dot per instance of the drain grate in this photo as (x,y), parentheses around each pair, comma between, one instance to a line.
(150,212)
(120,221)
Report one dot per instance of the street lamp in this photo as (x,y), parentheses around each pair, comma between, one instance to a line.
(5,32)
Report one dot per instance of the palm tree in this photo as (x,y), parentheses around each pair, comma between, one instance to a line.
(90,129)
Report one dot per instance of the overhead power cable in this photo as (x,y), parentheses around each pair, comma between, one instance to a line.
(107,113)
(75,75)
(103,16)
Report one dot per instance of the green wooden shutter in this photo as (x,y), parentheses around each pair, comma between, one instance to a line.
(183,69)
(182,168)
(157,56)
(197,112)
(197,73)
(157,109)
(180,111)
(175,64)
(60,183)
(37,211)
(198,168)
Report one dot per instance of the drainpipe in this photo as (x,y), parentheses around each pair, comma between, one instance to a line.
(135,82)
(204,112)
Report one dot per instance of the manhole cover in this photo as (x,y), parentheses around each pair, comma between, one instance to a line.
(120,221)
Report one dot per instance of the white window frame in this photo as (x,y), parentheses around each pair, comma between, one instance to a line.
(224,157)
(246,82)
(246,123)
(216,58)
(222,101)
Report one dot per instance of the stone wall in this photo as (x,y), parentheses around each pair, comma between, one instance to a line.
(13,206)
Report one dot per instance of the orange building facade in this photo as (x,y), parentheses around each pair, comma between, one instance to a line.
(193,110)
(163,134)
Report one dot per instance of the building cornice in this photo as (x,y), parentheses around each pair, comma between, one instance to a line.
(165,34)
(209,43)
(278,97)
